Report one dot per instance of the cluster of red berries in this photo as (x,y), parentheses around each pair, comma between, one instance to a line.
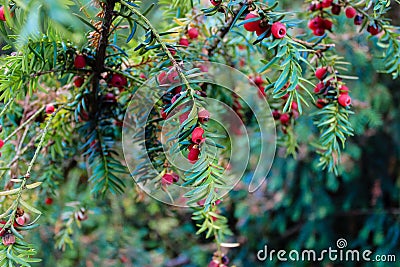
(258,80)
(260,26)
(192,33)
(194,148)
(319,25)
(327,91)
(5,233)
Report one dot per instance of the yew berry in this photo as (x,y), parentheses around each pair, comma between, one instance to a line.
(344,100)
(276,114)
(2,16)
(320,73)
(20,220)
(358,19)
(80,61)
(49,109)
(373,29)
(215,2)
(174,98)
(183,116)
(48,201)
(261,92)
(326,3)
(172,51)
(169,178)
(172,75)
(285,118)
(320,103)
(344,89)
(278,30)
(162,78)
(142,76)
(328,24)
(193,33)
(204,115)
(258,80)
(254,25)
(193,155)
(197,135)
(1,143)
(110,97)
(8,239)
(319,31)
(350,12)
(315,23)
(213,263)
(164,114)
(295,106)
(118,80)
(318,88)
(78,81)
(336,9)
(184,42)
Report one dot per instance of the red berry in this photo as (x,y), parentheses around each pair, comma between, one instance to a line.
(320,73)
(319,87)
(336,9)
(118,80)
(320,103)
(204,115)
(319,31)
(197,135)
(326,3)
(48,201)
(143,76)
(261,92)
(254,25)
(344,89)
(162,78)
(193,155)
(174,98)
(350,12)
(213,263)
(8,239)
(184,116)
(344,100)
(172,76)
(169,178)
(295,106)
(1,143)
(328,24)
(110,97)
(78,81)
(80,62)
(184,42)
(215,2)
(20,220)
(373,29)
(276,114)
(278,30)
(258,80)
(2,16)
(285,118)
(164,115)
(193,33)
(49,109)
(315,23)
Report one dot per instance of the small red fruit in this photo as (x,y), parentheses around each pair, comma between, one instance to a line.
(320,73)
(285,118)
(193,155)
(261,92)
(1,143)
(319,87)
(2,16)
(193,33)
(336,9)
(258,80)
(326,3)
(315,23)
(344,89)
(80,61)
(184,42)
(169,178)
(358,19)
(213,263)
(328,24)
(184,116)
(373,29)
(215,2)
(254,25)
(8,239)
(162,78)
(49,109)
(320,103)
(110,97)
(164,115)
(295,106)
(118,80)
(48,201)
(204,115)
(276,114)
(278,30)
(344,100)
(20,220)
(350,12)
(78,81)
(197,135)
(172,76)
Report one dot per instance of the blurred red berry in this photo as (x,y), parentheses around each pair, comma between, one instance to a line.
(373,29)
(336,9)
(197,135)
(169,178)
(350,12)
(80,61)
(295,106)
(162,78)
(276,114)
(118,80)
(358,19)
(172,76)
(215,2)
(1,143)
(193,155)
(328,24)
(344,89)
(48,201)
(315,23)
(326,3)
(20,220)
(344,100)
(258,80)
(184,116)
(318,88)
(49,109)
(285,118)
(320,73)
(319,31)
(184,42)
(110,97)
(78,81)
(320,103)
(204,115)
(8,239)
(193,33)
(254,25)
